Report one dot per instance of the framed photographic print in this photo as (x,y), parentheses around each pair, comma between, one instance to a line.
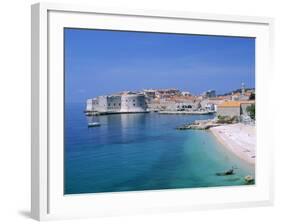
(138,111)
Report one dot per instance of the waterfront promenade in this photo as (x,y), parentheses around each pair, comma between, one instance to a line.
(192,112)
(239,139)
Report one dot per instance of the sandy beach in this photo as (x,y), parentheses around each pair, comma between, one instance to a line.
(238,138)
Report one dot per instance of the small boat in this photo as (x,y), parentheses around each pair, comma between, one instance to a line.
(93,124)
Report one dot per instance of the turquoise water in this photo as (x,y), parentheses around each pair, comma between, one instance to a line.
(131,152)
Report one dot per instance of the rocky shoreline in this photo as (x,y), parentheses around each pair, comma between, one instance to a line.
(199,125)
(206,124)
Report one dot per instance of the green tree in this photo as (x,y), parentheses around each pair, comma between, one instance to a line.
(251,110)
(252,96)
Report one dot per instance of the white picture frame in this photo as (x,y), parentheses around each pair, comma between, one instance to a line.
(48,201)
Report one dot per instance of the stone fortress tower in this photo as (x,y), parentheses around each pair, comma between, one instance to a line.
(126,102)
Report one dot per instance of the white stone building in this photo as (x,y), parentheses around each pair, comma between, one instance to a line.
(119,103)
(234,108)
(229,108)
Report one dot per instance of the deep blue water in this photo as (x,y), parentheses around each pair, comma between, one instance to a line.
(131,152)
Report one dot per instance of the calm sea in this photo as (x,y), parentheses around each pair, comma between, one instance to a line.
(131,152)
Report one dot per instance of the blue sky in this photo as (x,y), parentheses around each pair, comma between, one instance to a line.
(99,62)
